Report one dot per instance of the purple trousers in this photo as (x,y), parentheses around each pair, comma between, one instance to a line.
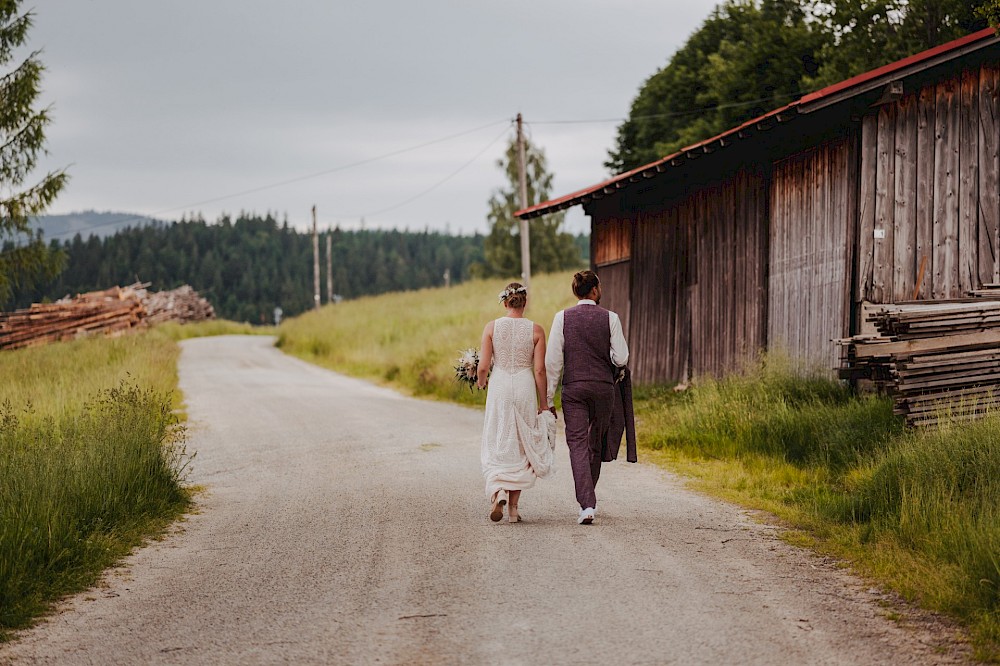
(587,410)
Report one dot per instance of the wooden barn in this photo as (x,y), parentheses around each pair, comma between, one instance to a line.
(777,233)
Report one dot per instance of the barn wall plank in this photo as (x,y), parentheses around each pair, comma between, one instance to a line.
(946,167)
(968,183)
(989,173)
(905,212)
(866,207)
(883,272)
(926,104)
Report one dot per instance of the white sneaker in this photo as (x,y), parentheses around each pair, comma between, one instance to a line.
(586,516)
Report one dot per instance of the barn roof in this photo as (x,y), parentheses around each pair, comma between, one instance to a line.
(823,98)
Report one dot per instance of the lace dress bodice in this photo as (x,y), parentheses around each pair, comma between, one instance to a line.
(512,344)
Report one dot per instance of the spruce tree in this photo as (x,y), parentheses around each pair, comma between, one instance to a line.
(24,257)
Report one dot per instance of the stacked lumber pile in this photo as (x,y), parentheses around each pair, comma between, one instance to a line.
(181,305)
(111,312)
(936,358)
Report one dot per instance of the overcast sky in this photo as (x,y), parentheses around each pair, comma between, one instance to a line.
(213,106)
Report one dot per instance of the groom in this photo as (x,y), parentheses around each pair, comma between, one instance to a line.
(586,345)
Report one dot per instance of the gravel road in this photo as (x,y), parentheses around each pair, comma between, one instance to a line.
(342,523)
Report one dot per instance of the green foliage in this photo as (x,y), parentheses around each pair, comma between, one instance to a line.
(989,11)
(865,34)
(249,266)
(90,463)
(24,257)
(915,509)
(751,56)
(746,58)
(771,410)
(551,248)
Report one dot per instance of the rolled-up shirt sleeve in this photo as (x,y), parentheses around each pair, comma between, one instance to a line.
(619,347)
(554,356)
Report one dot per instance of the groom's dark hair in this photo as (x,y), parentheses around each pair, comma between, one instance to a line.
(584,282)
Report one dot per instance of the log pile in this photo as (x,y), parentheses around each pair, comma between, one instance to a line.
(936,359)
(112,312)
(181,305)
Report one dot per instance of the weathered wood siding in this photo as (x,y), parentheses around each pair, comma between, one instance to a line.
(612,248)
(929,212)
(660,321)
(812,216)
(729,290)
(698,286)
(616,284)
(612,240)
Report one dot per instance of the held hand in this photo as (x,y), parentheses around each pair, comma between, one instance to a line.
(543,408)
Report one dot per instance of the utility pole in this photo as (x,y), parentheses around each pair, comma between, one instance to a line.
(525,245)
(315,262)
(329,266)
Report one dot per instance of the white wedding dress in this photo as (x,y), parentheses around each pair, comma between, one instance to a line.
(516,447)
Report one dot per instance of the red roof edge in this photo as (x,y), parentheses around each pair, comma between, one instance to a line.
(568,200)
(898,65)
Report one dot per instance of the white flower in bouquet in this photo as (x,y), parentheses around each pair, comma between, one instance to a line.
(468,367)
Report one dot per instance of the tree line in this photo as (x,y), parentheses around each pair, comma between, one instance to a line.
(752,56)
(250,265)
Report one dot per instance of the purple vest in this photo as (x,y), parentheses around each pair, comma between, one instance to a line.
(587,345)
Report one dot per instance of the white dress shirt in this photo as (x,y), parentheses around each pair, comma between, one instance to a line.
(554,351)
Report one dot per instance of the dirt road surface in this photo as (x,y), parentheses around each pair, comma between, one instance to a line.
(342,523)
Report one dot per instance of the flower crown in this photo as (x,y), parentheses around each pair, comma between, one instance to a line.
(508,292)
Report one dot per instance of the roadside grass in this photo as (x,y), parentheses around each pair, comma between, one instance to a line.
(91,462)
(211,327)
(915,510)
(411,340)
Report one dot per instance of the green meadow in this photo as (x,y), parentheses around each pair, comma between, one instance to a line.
(913,511)
(92,460)
(412,340)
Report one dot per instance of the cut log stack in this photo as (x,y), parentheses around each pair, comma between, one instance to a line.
(938,359)
(112,312)
(181,305)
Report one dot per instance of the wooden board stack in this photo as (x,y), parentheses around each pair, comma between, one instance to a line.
(111,312)
(938,359)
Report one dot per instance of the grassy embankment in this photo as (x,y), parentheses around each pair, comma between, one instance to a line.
(411,340)
(916,511)
(92,460)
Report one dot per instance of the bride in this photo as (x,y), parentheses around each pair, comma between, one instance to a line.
(515,447)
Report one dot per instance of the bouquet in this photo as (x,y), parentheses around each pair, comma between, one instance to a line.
(468,367)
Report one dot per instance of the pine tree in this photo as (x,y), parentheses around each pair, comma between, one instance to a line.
(24,257)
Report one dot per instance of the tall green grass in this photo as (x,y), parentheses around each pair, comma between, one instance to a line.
(915,509)
(411,340)
(91,462)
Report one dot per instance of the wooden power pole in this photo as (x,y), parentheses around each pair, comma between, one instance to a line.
(315,261)
(522,172)
(329,266)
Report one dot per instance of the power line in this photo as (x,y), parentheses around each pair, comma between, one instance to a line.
(344,167)
(289,181)
(675,114)
(437,184)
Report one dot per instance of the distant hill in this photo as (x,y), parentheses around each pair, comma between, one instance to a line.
(89,223)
